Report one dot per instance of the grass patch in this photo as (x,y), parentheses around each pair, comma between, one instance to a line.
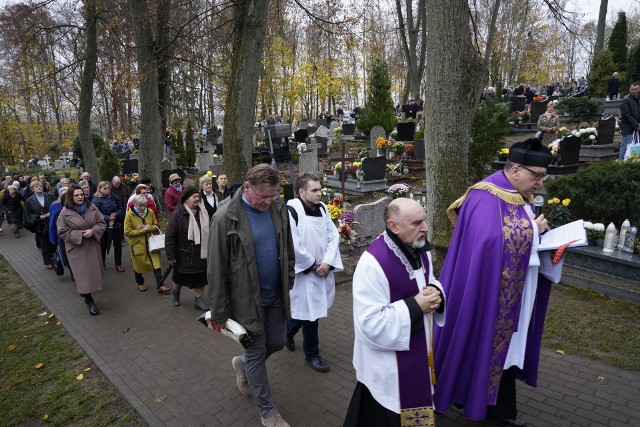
(49,395)
(584,323)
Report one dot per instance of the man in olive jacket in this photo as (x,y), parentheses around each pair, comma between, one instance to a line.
(250,272)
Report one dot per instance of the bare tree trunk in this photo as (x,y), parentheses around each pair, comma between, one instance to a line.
(240,105)
(413,54)
(86,89)
(453,58)
(151,131)
(602,23)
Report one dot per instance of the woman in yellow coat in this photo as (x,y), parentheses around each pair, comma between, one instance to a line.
(139,224)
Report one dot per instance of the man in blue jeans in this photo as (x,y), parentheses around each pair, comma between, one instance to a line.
(315,239)
(629,117)
(250,272)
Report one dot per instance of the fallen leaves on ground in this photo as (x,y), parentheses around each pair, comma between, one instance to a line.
(44,313)
(87,369)
(160,399)
(39,365)
(560,351)
(80,377)
(11,347)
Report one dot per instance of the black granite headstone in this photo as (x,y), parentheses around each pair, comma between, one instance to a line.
(418,149)
(570,150)
(537,109)
(287,191)
(322,122)
(301,135)
(129,166)
(312,129)
(606,131)
(517,103)
(322,145)
(348,128)
(406,130)
(219,149)
(374,168)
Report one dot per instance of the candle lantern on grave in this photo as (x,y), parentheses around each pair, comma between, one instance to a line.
(420,197)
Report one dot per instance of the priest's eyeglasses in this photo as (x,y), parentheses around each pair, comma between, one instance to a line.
(536,175)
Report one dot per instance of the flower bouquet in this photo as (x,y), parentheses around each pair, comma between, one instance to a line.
(382,143)
(398,148)
(302,148)
(503,154)
(409,150)
(334,211)
(400,189)
(345,225)
(595,232)
(558,211)
(588,135)
(337,133)
(555,151)
(516,116)
(337,169)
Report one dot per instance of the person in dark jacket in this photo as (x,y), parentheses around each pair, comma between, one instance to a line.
(613,87)
(221,188)
(208,196)
(111,208)
(36,219)
(11,205)
(54,238)
(186,243)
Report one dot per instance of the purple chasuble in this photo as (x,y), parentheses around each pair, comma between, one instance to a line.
(414,380)
(483,277)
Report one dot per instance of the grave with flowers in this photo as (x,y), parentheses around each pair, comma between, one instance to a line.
(360,177)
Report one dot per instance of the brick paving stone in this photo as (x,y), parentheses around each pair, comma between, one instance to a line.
(147,348)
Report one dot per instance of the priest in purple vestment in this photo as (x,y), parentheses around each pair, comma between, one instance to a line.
(396,299)
(496,299)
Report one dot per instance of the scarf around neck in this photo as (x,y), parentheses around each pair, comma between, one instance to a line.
(81,209)
(195,232)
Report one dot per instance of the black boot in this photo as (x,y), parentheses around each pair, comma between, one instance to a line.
(175,296)
(93,308)
(199,304)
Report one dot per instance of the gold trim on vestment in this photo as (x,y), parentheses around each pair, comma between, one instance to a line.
(418,417)
(510,196)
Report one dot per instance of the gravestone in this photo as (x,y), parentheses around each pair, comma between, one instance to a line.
(134,156)
(374,168)
(406,130)
(321,122)
(348,128)
(537,109)
(309,163)
(129,166)
(322,144)
(570,150)
(606,131)
(370,219)
(205,161)
(517,103)
(322,131)
(376,132)
(60,164)
(219,149)
(301,135)
(418,149)
(303,124)
(333,126)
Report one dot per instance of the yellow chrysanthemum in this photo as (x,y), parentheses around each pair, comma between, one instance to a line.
(550,201)
(556,200)
(566,202)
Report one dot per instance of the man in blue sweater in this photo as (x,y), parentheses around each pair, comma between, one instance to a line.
(250,272)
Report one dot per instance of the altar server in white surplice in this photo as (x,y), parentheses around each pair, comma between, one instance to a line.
(315,239)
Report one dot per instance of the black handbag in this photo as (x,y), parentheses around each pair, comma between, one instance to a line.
(56,259)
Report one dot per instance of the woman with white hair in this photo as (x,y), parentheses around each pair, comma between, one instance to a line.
(208,196)
(139,224)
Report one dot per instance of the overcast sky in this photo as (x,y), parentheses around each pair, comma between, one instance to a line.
(591,8)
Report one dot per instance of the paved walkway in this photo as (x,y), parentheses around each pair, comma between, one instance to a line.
(149,349)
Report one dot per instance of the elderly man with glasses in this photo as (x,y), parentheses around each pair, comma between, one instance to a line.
(497,291)
(250,272)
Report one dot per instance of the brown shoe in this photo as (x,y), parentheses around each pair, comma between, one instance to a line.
(162,289)
(119,269)
(142,287)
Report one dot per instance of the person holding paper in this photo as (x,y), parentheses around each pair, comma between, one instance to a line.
(496,297)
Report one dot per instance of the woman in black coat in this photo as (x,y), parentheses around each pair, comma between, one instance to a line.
(36,219)
(11,205)
(186,246)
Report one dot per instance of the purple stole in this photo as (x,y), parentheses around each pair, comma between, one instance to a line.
(414,380)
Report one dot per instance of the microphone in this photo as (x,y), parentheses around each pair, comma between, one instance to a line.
(538,202)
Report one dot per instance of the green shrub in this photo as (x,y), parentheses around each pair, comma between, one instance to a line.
(603,192)
(108,165)
(99,145)
(578,108)
(490,126)
(378,109)
(178,149)
(601,71)
(190,146)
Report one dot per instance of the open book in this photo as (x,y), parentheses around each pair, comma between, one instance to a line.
(557,237)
